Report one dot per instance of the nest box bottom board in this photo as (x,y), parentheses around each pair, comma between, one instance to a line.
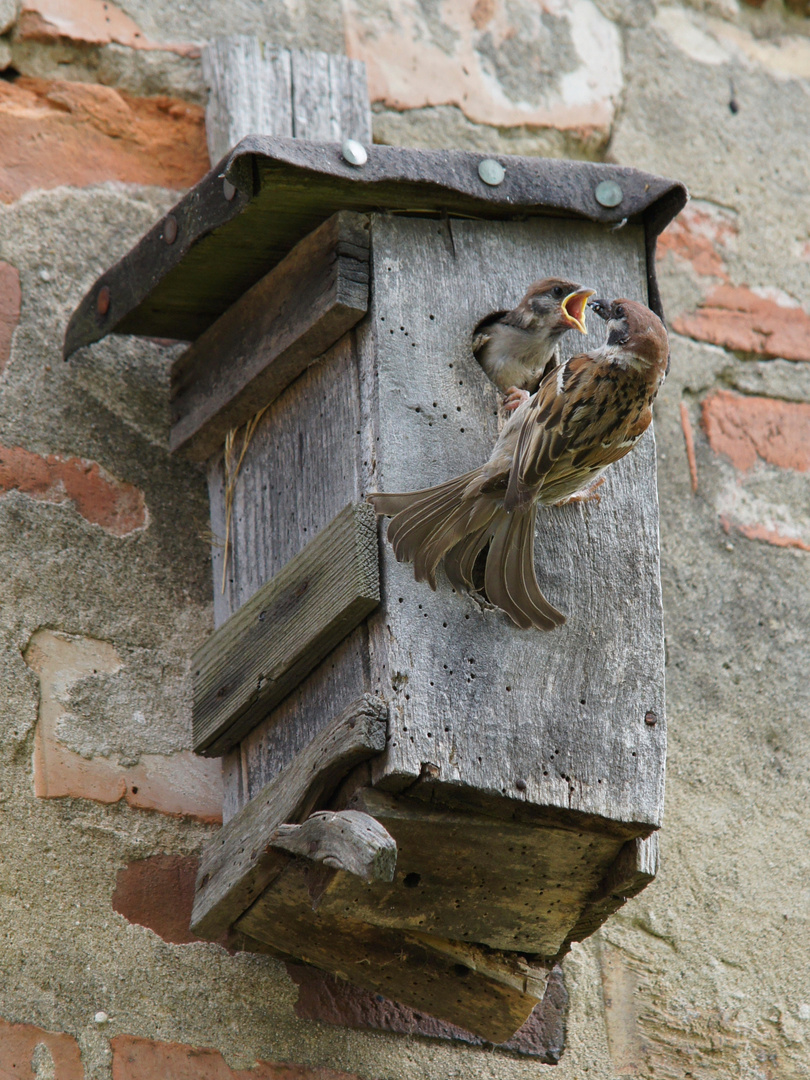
(488,993)
(515,886)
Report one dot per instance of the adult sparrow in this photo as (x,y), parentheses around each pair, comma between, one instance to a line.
(516,348)
(586,414)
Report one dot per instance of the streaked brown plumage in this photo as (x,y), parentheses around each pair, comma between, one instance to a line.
(586,414)
(516,348)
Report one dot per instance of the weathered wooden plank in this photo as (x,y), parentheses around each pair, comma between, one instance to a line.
(269,645)
(234,866)
(270,335)
(329,97)
(301,468)
(550,719)
(260,89)
(635,867)
(468,877)
(345,840)
(485,992)
(249,91)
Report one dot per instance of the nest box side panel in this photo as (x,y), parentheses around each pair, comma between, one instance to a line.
(554,720)
(301,468)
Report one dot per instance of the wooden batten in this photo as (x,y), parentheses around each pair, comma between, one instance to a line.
(270,335)
(268,646)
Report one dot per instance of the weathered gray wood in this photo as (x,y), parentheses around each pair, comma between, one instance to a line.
(260,89)
(270,335)
(520,887)
(345,840)
(482,991)
(250,91)
(234,865)
(552,719)
(267,647)
(301,468)
(329,97)
(634,869)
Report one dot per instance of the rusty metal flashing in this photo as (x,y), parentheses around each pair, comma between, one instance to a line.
(244,216)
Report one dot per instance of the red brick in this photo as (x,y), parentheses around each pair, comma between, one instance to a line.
(116,506)
(750,429)
(18,1043)
(158,893)
(142,1059)
(93,22)
(738,318)
(697,236)
(56,133)
(10,300)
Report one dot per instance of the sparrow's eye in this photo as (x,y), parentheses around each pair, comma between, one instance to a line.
(558,292)
(619,310)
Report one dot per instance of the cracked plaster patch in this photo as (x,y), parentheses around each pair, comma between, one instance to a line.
(568,56)
(180,784)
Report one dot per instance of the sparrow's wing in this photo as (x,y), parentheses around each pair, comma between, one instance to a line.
(543,439)
(572,430)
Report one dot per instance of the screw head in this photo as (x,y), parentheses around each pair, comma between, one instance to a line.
(354,152)
(520,785)
(228,190)
(608,193)
(170,229)
(103,300)
(650,719)
(491,171)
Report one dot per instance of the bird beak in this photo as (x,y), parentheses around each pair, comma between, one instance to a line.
(601,307)
(573,308)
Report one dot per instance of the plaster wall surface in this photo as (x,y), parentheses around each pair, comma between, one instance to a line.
(105,576)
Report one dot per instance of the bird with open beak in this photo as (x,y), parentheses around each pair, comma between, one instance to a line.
(586,414)
(515,348)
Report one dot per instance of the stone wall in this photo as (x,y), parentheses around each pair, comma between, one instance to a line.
(105,574)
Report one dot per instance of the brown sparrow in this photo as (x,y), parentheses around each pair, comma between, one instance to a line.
(516,348)
(586,414)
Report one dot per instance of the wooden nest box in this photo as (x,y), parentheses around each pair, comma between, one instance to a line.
(421,798)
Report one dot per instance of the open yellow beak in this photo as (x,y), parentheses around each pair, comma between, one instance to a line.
(573,308)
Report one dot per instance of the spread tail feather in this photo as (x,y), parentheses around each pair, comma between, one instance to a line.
(454,521)
(509,579)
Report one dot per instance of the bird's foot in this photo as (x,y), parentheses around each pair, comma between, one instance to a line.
(514,398)
(587,495)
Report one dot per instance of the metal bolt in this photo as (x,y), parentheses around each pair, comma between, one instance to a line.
(520,785)
(491,171)
(228,189)
(170,229)
(354,152)
(650,719)
(608,193)
(103,300)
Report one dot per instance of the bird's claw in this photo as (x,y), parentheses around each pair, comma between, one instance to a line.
(587,495)
(514,398)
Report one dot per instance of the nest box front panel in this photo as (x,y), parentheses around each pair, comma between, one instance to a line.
(558,719)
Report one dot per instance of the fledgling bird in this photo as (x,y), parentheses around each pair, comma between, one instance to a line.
(586,414)
(515,348)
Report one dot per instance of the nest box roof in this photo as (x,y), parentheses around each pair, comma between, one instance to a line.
(246,214)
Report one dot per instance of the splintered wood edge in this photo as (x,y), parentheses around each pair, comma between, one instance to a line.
(235,866)
(635,867)
(275,330)
(287,628)
(343,840)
